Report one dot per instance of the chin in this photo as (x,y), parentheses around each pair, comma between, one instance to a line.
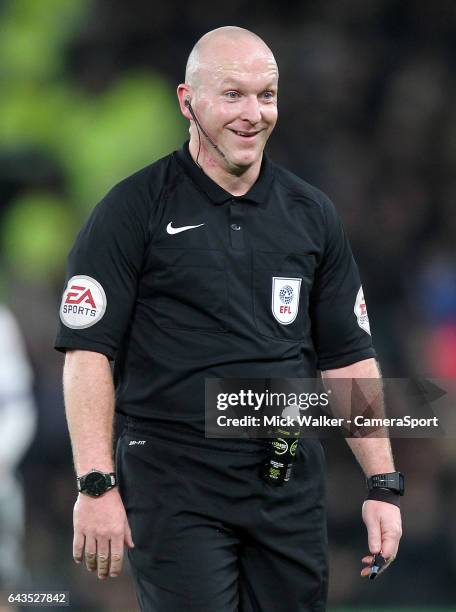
(245,159)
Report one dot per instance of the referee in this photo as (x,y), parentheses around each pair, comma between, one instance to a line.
(177,276)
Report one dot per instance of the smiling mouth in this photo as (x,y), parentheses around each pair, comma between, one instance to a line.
(246,135)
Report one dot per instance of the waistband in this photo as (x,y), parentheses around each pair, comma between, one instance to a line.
(184,433)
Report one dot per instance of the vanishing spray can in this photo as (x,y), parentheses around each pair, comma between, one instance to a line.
(282,454)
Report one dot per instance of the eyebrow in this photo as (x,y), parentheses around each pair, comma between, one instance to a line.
(231,81)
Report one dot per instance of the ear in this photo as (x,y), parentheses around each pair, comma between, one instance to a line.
(184,92)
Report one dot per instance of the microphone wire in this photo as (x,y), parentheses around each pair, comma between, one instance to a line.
(200,127)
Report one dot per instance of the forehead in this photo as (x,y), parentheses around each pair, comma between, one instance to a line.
(242,71)
(243,61)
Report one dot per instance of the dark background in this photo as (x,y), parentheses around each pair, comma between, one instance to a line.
(367,107)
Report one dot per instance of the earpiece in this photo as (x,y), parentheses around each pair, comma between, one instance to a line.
(187,101)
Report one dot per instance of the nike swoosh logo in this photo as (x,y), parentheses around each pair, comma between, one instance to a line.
(176,230)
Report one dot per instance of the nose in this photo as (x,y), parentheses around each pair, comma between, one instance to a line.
(251,110)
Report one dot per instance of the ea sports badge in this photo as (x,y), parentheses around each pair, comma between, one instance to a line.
(83,302)
(361,311)
(285,298)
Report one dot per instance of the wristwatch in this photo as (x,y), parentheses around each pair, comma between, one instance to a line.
(394,481)
(95,483)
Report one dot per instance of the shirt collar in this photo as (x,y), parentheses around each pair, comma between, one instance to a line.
(257,193)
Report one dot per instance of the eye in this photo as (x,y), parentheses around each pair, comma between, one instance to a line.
(232,95)
(268,95)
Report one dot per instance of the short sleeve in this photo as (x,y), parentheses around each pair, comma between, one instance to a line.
(103,270)
(340,323)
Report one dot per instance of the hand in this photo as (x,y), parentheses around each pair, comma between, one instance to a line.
(384,530)
(100,530)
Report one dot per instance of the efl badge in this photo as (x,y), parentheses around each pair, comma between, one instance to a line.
(285,298)
(361,311)
(83,302)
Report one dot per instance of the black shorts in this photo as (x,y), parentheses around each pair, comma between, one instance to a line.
(211,536)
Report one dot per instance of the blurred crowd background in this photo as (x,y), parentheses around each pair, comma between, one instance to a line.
(367,113)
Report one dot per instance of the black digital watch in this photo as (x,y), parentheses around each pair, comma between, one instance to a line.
(394,481)
(95,483)
(386,487)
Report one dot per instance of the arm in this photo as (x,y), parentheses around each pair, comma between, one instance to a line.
(89,403)
(373,454)
(382,520)
(103,272)
(100,524)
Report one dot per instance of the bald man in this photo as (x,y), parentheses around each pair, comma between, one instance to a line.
(213,262)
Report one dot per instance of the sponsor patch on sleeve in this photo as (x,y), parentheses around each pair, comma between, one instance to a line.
(83,302)
(361,311)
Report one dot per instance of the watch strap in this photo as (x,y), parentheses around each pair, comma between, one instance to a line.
(387,487)
(111,479)
(384,495)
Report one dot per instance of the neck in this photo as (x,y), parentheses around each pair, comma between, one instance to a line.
(216,168)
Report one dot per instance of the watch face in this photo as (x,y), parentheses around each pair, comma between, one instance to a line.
(95,483)
(393,481)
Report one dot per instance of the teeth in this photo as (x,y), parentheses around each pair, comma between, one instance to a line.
(244,134)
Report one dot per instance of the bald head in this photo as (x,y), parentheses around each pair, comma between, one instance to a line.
(225,47)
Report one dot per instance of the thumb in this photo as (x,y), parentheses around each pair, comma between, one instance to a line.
(128,537)
(374,535)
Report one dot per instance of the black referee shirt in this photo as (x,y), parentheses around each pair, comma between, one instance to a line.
(178,281)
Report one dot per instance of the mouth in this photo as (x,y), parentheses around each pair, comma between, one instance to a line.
(245,135)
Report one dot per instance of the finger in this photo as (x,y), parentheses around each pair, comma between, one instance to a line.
(78,546)
(367,560)
(116,557)
(102,558)
(90,553)
(390,544)
(374,536)
(128,537)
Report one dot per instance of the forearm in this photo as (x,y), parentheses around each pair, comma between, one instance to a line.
(373,452)
(89,405)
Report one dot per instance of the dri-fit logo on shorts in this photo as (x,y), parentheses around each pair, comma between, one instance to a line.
(83,302)
(285,298)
